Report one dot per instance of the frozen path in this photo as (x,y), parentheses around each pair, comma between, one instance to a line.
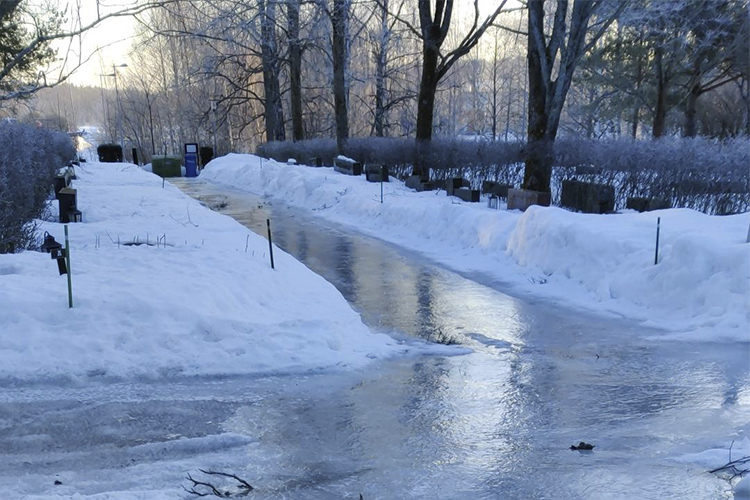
(495,423)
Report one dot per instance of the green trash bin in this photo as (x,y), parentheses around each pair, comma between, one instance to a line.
(167,166)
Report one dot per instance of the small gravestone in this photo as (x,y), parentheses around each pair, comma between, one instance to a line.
(347,166)
(316,161)
(454,183)
(521,199)
(588,197)
(67,199)
(415,182)
(467,194)
(109,153)
(646,204)
(376,173)
(206,154)
(495,188)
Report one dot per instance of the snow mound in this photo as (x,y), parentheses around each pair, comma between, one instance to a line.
(205,303)
(700,290)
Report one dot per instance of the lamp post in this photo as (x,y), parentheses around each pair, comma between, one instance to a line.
(214,103)
(105,107)
(119,103)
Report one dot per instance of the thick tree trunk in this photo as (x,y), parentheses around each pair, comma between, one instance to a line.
(538,171)
(691,105)
(339,23)
(273,111)
(381,61)
(660,111)
(426,108)
(295,70)
(691,112)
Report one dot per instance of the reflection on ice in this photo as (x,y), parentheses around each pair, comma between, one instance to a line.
(496,423)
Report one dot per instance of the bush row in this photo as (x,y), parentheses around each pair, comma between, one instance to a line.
(703,174)
(29,159)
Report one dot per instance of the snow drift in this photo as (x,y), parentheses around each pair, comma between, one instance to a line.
(206,303)
(700,289)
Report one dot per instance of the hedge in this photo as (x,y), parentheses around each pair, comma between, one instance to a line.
(29,159)
(704,174)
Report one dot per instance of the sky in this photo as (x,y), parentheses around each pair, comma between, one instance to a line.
(113,36)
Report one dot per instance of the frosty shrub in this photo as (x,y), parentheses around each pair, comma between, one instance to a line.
(29,158)
(704,174)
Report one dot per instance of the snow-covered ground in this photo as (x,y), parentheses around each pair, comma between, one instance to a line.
(206,302)
(699,290)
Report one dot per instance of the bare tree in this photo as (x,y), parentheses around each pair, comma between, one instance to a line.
(339,53)
(17,76)
(552,61)
(433,29)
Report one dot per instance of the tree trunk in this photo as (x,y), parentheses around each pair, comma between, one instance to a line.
(660,112)
(272,102)
(538,171)
(295,70)
(426,108)
(381,61)
(339,25)
(691,105)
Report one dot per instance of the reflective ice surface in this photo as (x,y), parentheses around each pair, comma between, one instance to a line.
(495,423)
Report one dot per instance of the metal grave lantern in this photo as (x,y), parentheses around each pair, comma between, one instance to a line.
(51,245)
(56,251)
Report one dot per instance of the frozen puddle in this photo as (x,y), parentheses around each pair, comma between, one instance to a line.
(496,423)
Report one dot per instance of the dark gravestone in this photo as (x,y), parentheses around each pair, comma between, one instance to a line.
(376,173)
(499,190)
(61,181)
(415,182)
(521,199)
(467,194)
(453,183)
(109,153)
(316,161)
(646,204)
(347,166)
(67,201)
(206,154)
(588,197)
(134,153)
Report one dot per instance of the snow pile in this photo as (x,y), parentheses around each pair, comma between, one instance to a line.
(699,290)
(718,457)
(207,303)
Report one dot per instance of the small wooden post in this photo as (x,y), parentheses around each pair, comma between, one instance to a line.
(270,241)
(67,258)
(656,255)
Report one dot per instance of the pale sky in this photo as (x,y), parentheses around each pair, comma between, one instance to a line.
(115,35)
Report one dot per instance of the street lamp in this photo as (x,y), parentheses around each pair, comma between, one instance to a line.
(214,103)
(119,103)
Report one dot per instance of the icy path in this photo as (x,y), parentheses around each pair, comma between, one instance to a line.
(495,423)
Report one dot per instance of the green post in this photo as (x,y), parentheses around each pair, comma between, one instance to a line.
(67,258)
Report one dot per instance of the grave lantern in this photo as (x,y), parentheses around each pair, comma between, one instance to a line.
(56,251)
(50,245)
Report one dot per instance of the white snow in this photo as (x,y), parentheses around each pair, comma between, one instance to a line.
(699,290)
(202,305)
(718,457)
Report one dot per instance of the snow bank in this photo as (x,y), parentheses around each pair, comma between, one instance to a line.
(699,290)
(201,305)
(718,457)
